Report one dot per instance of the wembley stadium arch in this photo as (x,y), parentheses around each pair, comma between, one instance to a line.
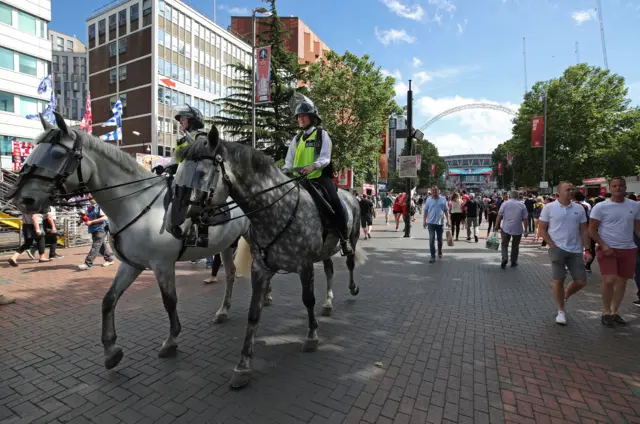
(448,112)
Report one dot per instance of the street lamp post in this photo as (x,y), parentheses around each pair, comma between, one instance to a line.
(253,75)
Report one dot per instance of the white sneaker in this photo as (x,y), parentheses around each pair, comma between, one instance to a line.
(83,267)
(108,263)
(561,318)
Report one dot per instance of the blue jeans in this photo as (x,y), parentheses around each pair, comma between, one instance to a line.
(435,229)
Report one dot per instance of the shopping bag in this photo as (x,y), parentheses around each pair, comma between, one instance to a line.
(492,241)
(449,238)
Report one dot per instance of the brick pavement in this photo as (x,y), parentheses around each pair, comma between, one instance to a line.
(459,341)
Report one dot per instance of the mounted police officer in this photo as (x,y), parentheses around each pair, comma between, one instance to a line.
(310,154)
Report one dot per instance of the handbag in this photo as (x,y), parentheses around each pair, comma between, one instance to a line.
(449,238)
(492,241)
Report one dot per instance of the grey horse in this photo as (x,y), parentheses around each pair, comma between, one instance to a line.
(73,160)
(286,233)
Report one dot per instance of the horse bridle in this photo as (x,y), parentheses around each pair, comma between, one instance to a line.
(73,163)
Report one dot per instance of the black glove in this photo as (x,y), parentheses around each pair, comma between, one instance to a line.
(171,169)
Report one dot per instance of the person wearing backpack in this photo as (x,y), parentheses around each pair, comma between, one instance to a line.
(472,209)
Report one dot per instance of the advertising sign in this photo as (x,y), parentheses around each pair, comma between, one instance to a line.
(344,179)
(263,74)
(408,167)
(537,131)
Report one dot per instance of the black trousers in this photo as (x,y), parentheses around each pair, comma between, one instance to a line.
(30,237)
(339,219)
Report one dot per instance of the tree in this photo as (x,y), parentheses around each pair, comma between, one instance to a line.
(591,131)
(500,155)
(430,155)
(354,101)
(275,124)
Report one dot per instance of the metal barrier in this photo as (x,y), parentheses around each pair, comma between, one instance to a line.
(10,238)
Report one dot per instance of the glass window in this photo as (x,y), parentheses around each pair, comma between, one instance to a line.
(167,40)
(6,102)
(167,68)
(187,99)
(160,37)
(69,45)
(43,33)
(123,99)
(180,98)
(6,59)
(113,76)
(174,17)
(187,77)
(27,64)
(112,49)
(133,13)
(6,14)
(174,97)
(160,94)
(174,43)
(28,106)
(167,96)
(161,7)
(187,50)
(123,45)
(181,20)
(174,71)
(122,17)
(112,101)
(101,26)
(167,12)
(74,108)
(180,74)
(196,80)
(26,23)
(123,72)
(146,7)
(188,24)
(92,31)
(160,66)
(112,22)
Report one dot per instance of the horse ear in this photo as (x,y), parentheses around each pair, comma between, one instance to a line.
(213,137)
(46,125)
(60,122)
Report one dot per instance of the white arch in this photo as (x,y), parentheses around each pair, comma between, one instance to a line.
(465,107)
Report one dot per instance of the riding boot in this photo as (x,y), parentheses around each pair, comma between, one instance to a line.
(203,236)
(345,247)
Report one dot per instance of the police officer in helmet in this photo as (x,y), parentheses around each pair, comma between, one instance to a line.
(310,154)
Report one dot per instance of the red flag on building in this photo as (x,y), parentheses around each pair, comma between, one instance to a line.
(433,169)
(87,120)
(499,168)
(537,131)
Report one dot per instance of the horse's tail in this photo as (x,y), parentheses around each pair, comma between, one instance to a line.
(243,258)
(360,256)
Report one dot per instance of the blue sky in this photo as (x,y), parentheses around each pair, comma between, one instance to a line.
(456,52)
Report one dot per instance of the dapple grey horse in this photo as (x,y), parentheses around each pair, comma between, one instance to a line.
(287,231)
(73,160)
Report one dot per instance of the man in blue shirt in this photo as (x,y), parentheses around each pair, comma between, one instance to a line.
(436,211)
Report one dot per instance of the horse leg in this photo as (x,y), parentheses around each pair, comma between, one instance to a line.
(230,273)
(165,273)
(354,289)
(125,276)
(308,298)
(327,308)
(260,279)
(267,300)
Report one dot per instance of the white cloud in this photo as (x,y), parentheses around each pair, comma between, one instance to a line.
(395,36)
(461,27)
(416,62)
(421,77)
(414,12)
(583,16)
(395,73)
(478,129)
(401,90)
(234,10)
(446,5)
(460,30)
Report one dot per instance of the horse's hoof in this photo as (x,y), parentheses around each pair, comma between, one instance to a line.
(310,345)
(168,351)
(354,291)
(326,311)
(113,360)
(220,318)
(239,379)
(267,301)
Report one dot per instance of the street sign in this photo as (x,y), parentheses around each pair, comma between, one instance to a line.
(408,167)
(544,184)
(402,133)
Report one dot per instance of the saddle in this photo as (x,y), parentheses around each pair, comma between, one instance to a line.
(321,199)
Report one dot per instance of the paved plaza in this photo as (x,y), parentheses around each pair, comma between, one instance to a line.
(457,341)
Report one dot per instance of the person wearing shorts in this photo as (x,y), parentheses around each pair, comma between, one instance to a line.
(387,203)
(563,225)
(612,225)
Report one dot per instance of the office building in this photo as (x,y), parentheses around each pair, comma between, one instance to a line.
(154,55)
(69,69)
(25,59)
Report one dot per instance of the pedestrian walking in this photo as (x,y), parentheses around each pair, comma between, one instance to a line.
(473,210)
(436,211)
(563,224)
(530,203)
(492,215)
(367,213)
(612,225)
(97,222)
(33,234)
(455,207)
(512,221)
(387,204)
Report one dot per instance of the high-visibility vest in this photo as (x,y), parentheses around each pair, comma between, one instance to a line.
(306,154)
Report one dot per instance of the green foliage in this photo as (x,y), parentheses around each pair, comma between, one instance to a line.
(591,130)
(275,125)
(354,101)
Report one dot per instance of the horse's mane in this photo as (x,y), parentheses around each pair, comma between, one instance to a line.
(236,152)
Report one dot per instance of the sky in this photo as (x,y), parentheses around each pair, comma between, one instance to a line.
(456,52)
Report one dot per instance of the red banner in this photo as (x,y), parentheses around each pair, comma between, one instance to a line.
(603,191)
(499,168)
(344,178)
(537,131)
(263,74)
(20,151)
(433,169)
(509,158)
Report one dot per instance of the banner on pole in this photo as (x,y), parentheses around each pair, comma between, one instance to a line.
(433,169)
(499,168)
(537,131)
(263,74)
(509,158)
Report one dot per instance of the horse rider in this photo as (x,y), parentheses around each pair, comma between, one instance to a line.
(310,154)
(191,123)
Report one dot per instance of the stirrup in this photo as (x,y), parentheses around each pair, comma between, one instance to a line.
(345,248)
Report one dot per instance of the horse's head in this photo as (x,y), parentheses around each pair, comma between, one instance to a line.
(201,180)
(52,167)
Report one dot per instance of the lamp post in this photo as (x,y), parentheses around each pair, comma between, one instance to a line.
(261,10)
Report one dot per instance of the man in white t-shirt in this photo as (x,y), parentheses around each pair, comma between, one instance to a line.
(612,225)
(563,225)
